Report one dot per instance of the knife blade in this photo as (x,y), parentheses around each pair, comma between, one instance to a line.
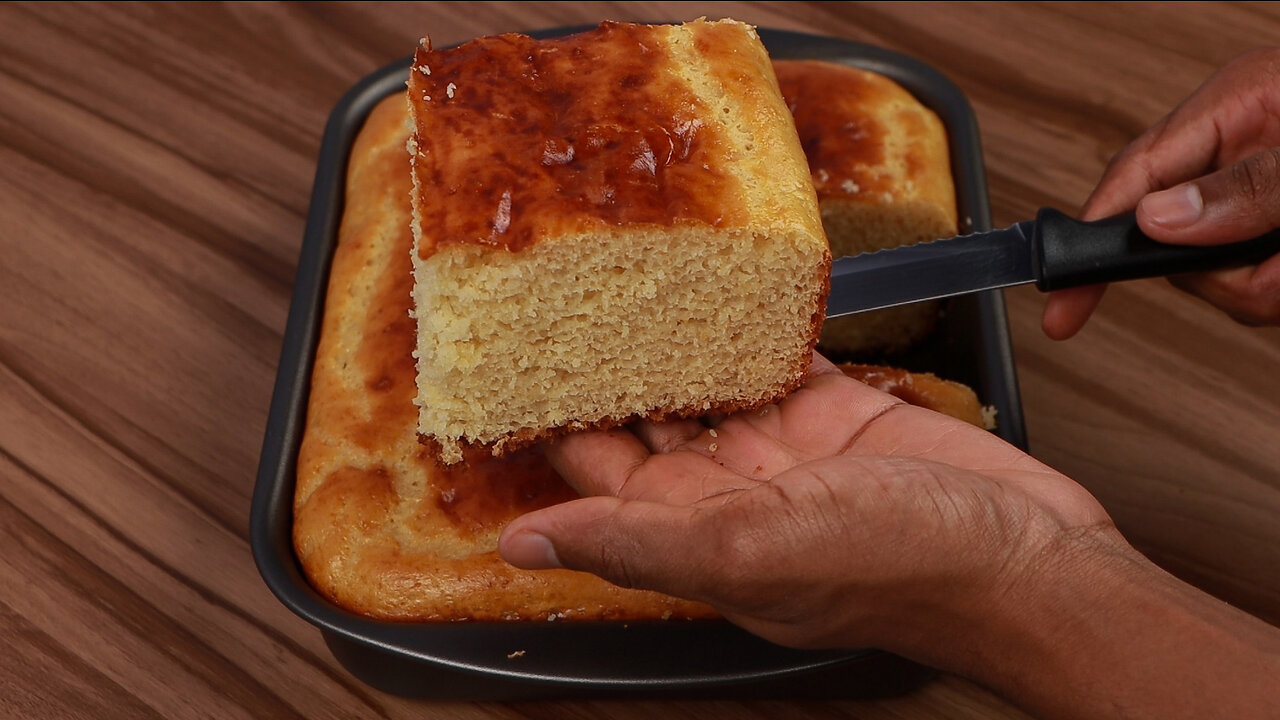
(1054,251)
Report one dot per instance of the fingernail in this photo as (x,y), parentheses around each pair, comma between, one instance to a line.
(530,550)
(1176,207)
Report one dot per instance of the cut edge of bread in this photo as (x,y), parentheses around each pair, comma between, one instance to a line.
(627,325)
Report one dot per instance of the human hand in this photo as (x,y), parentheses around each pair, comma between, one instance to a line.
(1208,173)
(839,517)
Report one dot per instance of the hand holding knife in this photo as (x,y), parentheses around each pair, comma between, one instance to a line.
(1054,251)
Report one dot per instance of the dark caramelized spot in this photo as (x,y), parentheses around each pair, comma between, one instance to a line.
(833,106)
(524,138)
(484,492)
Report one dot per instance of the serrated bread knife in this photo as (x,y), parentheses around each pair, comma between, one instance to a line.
(1054,251)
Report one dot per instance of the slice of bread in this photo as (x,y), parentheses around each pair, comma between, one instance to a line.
(608,226)
(880,164)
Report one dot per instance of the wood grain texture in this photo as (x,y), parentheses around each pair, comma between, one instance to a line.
(155,167)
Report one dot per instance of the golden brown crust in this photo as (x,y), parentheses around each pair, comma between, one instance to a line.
(867,139)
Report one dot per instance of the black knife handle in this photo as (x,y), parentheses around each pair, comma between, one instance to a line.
(1071,253)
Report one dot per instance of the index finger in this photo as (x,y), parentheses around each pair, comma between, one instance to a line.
(597,462)
(617,463)
(1181,146)
(1224,120)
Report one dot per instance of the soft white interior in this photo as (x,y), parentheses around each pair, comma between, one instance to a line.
(585,329)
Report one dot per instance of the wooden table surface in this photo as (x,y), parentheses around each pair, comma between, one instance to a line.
(155,166)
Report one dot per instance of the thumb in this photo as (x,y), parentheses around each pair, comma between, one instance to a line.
(1230,205)
(630,543)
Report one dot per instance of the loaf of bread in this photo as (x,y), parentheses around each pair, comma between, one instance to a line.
(879,161)
(380,528)
(606,226)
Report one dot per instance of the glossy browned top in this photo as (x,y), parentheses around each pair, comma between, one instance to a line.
(485,492)
(520,138)
(844,116)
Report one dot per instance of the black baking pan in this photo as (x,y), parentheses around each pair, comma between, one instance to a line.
(522,660)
